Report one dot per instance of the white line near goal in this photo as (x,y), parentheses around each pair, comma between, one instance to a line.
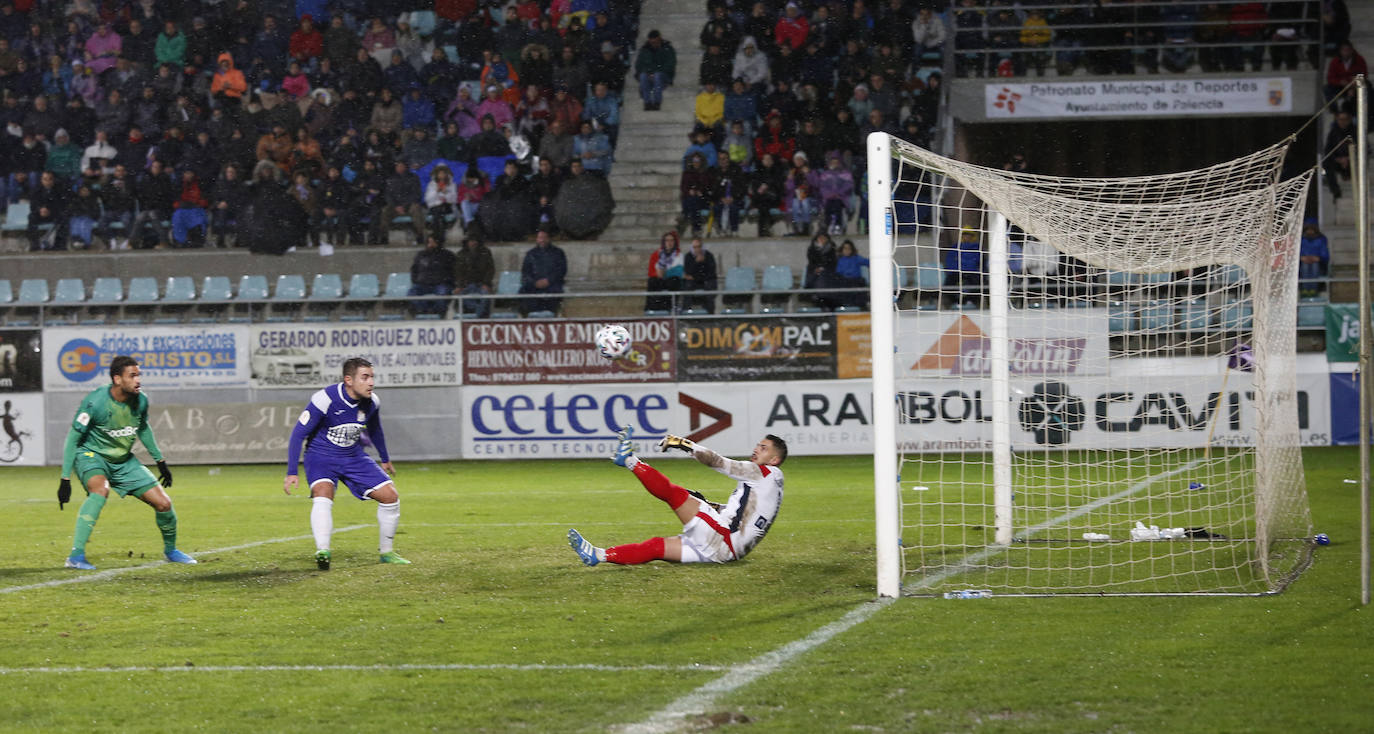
(108,573)
(381,667)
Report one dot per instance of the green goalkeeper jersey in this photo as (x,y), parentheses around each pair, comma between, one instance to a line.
(108,427)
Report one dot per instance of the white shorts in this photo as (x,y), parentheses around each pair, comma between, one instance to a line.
(706,539)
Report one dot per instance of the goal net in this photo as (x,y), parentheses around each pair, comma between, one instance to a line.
(1086,386)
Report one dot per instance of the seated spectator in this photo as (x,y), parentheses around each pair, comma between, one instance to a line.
(565,108)
(103,48)
(543,271)
(792,28)
(156,194)
(463,111)
(335,220)
(420,149)
(710,110)
(741,105)
(603,109)
(83,215)
(470,194)
(489,142)
(721,27)
(593,149)
(188,210)
(699,274)
(386,113)
(849,274)
(1314,260)
(802,209)
(402,197)
(655,67)
(694,188)
(836,186)
(821,260)
(229,197)
(48,204)
(700,143)
(1036,34)
(399,76)
(716,65)
(557,145)
(1246,24)
(441,198)
(928,32)
(766,191)
(536,68)
(440,79)
(1337,152)
(964,269)
(295,84)
(364,75)
(1342,70)
(304,194)
(306,155)
(739,144)
(476,270)
(665,273)
(500,74)
(775,139)
(84,84)
(432,274)
(532,115)
(750,66)
(64,158)
(276,147)
(1179,22)
(117,203)
(451,146)
(544,186)
(379,41)
(306,44)
(728,194)
(969,40)
(571,73)
(812,140)
(606,68)
(495,107)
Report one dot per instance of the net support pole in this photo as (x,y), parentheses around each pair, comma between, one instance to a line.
(1000,377)
(1360,184)
(886,497)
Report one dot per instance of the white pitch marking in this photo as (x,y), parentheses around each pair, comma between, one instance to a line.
(102,575)
(969,561)
(365,668)
(671,717)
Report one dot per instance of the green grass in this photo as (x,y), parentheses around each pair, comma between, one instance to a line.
(494,584)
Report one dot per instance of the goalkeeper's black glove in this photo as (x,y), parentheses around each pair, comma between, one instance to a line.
(164,475)
(676,442)
(64,492)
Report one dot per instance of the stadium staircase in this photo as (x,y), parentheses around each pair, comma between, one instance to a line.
(648,157)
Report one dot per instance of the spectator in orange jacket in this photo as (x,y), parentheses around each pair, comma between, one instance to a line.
(228,85)
(276,146)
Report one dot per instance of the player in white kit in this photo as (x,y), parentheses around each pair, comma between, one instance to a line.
(711,533)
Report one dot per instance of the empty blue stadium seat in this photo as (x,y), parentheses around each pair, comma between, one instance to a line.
(364,286)
(69,291)
(326,287)
(290,287)
(107,290)
(143,290)
(253,288)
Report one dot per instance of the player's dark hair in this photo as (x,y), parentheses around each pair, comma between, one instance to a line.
(121,363)
(353,364)
(780,445)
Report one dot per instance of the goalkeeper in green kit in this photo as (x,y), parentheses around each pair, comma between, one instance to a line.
(100,448)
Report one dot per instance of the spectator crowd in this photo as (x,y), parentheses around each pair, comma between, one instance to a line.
(150,123)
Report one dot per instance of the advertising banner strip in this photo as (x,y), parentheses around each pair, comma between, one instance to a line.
(749,348)
(78,358)
(21,360)
(1342,332)
(402,353)
(1131,97)
(936,343)
(539,352)
(224,433)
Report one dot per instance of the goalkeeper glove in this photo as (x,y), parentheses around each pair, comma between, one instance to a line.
(164,475)
(64,492)
(676,442)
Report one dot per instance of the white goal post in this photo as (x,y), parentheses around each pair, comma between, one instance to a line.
(1085,385)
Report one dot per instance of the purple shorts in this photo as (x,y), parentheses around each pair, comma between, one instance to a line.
(360,473)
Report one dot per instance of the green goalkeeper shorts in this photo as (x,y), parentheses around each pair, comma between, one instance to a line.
(125,478)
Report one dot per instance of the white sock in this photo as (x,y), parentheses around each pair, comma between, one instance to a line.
(388,516)
(322,521)
(631,462)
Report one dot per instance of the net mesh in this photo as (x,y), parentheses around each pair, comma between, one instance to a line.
(1155,418)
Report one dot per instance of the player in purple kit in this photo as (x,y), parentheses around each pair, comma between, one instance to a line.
(331,428)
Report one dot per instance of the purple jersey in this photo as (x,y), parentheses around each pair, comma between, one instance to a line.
(332,426)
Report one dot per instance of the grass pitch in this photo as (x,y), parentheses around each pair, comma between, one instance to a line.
(497,627)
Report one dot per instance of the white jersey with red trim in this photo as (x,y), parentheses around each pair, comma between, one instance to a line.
(754,504)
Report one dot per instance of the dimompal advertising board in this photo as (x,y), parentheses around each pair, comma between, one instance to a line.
(534,352)
(402,353)
(78,358)
(768,348)
(21,429)
(21,360)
